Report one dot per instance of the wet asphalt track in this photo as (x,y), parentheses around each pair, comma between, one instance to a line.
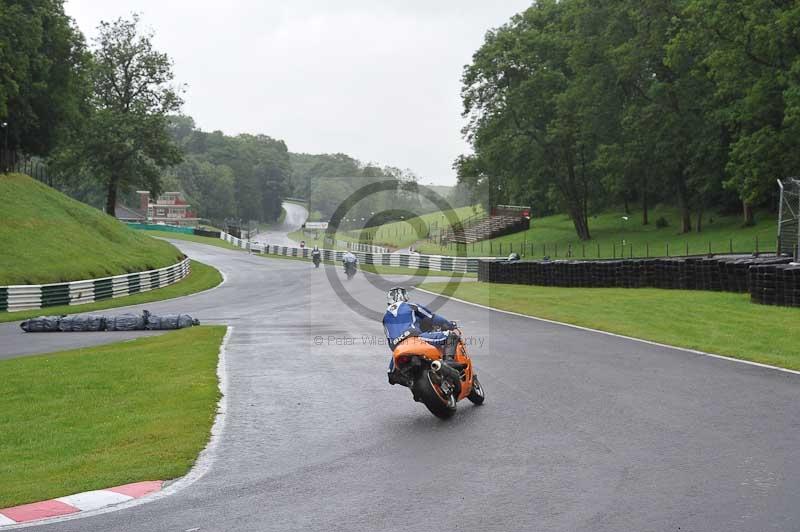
(580,431)
(295,217)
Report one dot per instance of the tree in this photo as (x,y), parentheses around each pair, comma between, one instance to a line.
(754,62)
(582,104)
(253,170)
(124,140)
(539,97)
(43,77)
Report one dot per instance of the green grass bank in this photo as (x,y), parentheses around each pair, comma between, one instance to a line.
(99,417)
(396,234)
(47,237)
(715,322)
(614,236)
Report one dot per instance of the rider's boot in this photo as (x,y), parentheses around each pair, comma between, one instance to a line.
(450,346)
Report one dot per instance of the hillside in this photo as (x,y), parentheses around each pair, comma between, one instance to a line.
(47,237)
(395,234)
(554,235)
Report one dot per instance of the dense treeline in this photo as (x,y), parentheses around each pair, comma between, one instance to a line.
(104,119)
(246,176)
(575,105)
(333,180)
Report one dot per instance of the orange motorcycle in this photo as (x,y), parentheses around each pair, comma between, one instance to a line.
(436,382)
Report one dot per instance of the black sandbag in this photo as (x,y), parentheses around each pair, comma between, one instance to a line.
(95,322)
(90,322)
(41,324)
(71,323)
(168,321)
(126,322)
(184,320)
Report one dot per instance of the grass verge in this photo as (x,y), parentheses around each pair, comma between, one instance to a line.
(202,277)
(99,417)
(715,322)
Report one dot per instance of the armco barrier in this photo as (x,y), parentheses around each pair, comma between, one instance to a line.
(27,297)
(413,260)
(357,246)
(770,280)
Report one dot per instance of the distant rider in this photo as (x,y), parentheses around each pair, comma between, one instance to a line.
(349,259)
(403,319)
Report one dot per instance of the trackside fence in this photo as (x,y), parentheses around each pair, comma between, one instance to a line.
(401,260)
(26,297)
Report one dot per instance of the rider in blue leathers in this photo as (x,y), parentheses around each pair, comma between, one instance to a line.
(403,319)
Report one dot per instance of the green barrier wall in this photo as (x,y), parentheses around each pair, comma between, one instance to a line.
(157,227)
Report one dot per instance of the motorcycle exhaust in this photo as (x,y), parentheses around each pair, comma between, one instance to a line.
(446,372)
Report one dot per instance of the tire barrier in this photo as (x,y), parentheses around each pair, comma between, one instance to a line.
(27,297)
(205,232)
(775,284)
(413,260)
(769,280)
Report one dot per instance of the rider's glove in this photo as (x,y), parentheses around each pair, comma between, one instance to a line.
(453,325)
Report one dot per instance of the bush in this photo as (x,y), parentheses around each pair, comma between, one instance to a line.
(662,222)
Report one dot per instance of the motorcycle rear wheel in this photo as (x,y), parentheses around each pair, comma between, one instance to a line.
(429,394)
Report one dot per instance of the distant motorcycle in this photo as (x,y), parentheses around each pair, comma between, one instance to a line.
(316,258)
(350,269)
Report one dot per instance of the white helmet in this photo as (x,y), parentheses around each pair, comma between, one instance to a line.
(396,295)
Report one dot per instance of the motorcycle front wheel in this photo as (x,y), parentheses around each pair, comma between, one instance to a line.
(477,395)
(440,405)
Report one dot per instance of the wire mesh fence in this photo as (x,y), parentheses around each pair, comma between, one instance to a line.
(616,249)
(789,217)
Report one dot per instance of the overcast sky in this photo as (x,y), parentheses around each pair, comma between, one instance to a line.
(378,80)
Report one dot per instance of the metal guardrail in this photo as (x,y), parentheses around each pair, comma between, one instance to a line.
(440,263)
(27,297)
(358,246)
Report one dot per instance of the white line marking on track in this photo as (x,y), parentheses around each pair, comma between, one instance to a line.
(203,464)
(588,329)
(6,521)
